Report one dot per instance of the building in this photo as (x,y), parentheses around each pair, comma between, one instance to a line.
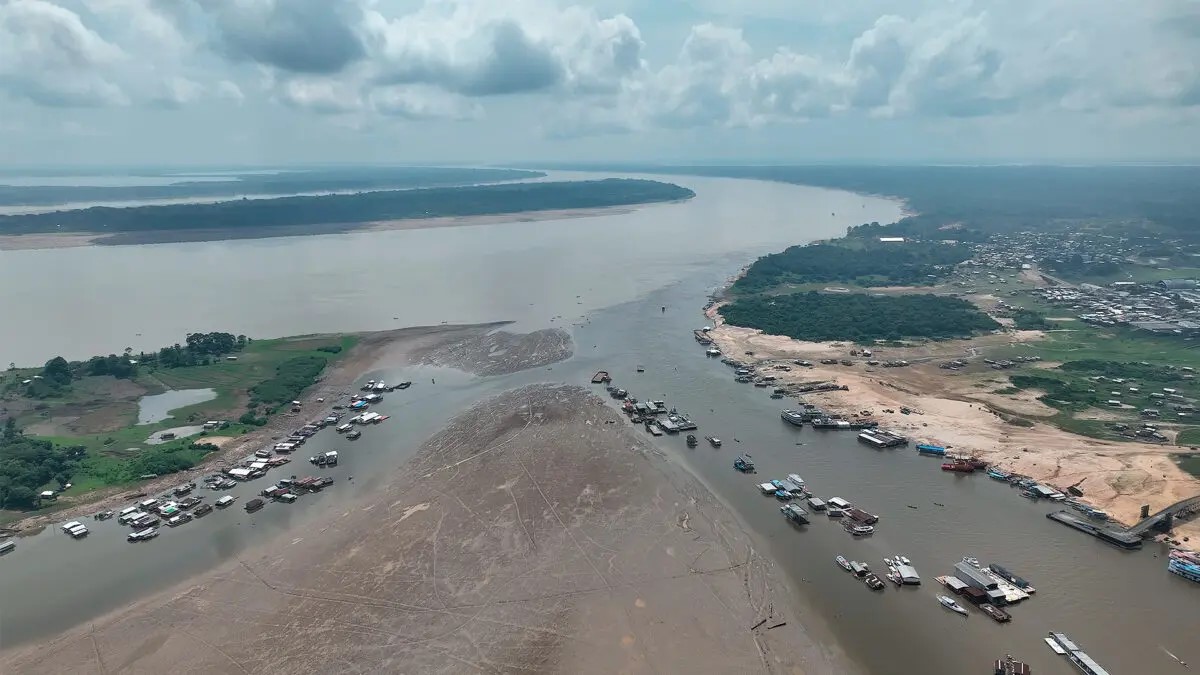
(892,240)
(974,577)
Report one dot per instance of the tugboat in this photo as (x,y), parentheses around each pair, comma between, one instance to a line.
(691,441)
(744,464)
(713,441)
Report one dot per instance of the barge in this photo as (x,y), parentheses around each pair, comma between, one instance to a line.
(1116,537)
(926,449)
(795,514)
(858,515)
(879,438)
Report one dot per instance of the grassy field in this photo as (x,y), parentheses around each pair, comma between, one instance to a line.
(100,413)
(1140,274)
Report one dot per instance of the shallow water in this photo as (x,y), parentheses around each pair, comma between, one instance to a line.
(158,407)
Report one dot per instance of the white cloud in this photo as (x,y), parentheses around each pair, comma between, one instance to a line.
(48,56)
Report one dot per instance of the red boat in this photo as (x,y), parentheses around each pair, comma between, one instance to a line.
(962,467)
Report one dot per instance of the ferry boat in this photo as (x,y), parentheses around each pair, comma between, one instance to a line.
(842,562)
(1184,563)
(949,603)
(792,417)
(713,441)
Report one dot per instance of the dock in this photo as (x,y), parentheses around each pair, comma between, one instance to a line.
(1075,655)
(1110,535)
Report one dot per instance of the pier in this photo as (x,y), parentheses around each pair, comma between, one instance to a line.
(1116,537)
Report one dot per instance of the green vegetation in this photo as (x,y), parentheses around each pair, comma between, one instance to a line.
(27,464)
(1190,437)
(351,208)
(86,432)
(823,317)
(1028,319)
(1064,394)
(859,263)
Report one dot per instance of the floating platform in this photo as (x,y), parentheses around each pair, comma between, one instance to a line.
(1109,535)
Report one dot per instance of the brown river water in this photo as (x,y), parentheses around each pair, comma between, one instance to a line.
(605,279)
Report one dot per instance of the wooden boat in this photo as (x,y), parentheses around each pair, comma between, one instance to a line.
(691,441)
(873,582)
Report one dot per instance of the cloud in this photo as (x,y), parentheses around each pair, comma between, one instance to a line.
(298,36)
(49,57)
(423,103)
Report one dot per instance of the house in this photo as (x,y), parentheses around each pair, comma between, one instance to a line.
(48,494)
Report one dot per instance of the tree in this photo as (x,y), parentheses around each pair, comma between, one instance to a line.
(21,497)
(57,371)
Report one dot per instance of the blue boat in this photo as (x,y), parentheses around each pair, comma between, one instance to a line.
(997,474)
(931,449)
(743,464)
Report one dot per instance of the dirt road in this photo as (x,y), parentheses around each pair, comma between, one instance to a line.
(535,533)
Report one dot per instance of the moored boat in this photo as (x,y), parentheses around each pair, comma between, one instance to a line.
(691,441)
(873,582)
(744,464)
(794,513)
(792,417)
(1009,666)
(713,441)
(949,603)
(842,562)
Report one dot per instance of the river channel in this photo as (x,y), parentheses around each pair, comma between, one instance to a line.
(605,279)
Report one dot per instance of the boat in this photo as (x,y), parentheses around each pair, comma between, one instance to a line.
(843,563)
(601,377)
(254,504)
(796,479)
(104,515)
(776,396)
(225,501)
(1184,563)
(792,417)
(949,603)
(1010,666)
(794,513)
(834,512)
(744,464)
(691,441)
(1077,657)
(997,474)
(767,488)
(713,441)
(143,535)
(959,467)
(973,562)
(354,435)
(995,612)
(816,504)
(202,510)
(926,449)
(903,560)
(1011,578)
(7,546)
(873,582)
(713,351)
(861,530)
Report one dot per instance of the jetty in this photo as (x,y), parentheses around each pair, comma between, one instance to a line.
(1117,537)
(1074,654)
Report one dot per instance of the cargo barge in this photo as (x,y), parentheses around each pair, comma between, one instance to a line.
(879,438)
(1112,536)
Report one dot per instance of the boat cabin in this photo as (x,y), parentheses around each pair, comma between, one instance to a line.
(838,502)
(859,569)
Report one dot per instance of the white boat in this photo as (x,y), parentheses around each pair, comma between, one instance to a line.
(143,535)
(1055,646)
(950,604)
(903,560)
(225,501)
(973,562)
(7,545)
(834,512)
(767,488)
(796,480)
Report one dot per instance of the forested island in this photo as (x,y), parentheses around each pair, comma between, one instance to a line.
(823,317)
(223,183)
(351,209)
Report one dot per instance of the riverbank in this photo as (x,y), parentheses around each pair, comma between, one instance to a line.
(371,350)
(962,412)
(18,242)
(496,547)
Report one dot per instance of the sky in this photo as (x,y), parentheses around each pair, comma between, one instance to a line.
(274,82)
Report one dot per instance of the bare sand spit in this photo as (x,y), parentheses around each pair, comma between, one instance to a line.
(956,412)
(535,533)
(16,242)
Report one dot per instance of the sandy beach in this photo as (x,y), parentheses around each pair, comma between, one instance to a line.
(953,411)
(19,242)
(536,532)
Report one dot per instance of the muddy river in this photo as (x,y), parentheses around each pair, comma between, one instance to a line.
(605,279)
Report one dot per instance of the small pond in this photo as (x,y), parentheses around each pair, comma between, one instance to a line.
(152,409)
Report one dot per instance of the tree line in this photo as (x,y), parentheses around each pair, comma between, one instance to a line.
(27,464)
(824,317)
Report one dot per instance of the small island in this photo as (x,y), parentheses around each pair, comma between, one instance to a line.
(331,213)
